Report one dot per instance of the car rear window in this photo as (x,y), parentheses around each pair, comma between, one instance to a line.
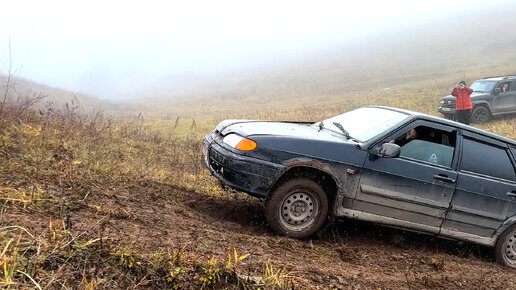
(487,160)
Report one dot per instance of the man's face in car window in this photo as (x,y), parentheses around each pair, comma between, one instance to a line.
(412,134)
(505,87)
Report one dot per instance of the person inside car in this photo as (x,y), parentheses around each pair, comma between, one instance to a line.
(411,135)
(505,87)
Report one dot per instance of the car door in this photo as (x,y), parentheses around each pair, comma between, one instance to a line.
(512,104)
(485,195)
(415,189)
(505,101)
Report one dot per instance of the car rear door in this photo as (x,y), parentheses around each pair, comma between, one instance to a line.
(485,195)
(415,189)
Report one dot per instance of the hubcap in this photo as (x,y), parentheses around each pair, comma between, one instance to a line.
(510,248)
(480,116)
(298,210)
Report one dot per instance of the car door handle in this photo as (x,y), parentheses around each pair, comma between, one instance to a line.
(511,193)
(444,178)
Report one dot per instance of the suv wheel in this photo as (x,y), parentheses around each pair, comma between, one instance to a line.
(297,208)
(480,114)
(505,249)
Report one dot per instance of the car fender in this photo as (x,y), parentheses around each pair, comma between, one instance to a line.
(345,177)
(508,222)
(483,103)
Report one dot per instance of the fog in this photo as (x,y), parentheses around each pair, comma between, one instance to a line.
(117,49)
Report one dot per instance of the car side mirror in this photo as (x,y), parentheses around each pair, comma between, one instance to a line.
(497,91)
(389,150)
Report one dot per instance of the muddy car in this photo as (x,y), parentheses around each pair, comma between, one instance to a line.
(384,165)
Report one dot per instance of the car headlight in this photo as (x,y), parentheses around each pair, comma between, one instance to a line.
(238,142)
(441,102)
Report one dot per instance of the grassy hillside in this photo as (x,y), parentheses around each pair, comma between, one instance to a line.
(416,64)
(21,91)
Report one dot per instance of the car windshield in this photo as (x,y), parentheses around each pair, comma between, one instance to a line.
(365,123)
(483,86)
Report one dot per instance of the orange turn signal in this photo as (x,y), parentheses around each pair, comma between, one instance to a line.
(246,145)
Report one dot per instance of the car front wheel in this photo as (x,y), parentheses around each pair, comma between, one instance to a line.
(297,208)
(480,115)
(506,248)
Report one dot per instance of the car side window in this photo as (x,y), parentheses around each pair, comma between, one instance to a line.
(430,145)
(505,87)
(487,160)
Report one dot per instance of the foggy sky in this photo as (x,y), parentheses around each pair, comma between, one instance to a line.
(112,48)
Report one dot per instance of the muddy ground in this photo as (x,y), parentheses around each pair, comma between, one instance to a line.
(346,254)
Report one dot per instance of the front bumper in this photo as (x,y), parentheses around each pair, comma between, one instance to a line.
(243,173)
(445,110)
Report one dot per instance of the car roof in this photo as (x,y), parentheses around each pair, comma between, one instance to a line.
(422,116)
(498,78)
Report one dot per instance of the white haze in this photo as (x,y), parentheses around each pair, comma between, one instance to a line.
(113,48)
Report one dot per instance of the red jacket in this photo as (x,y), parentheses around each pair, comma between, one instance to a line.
(463,98)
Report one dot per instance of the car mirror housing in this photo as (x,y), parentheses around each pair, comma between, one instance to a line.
(389,150)
(497,91)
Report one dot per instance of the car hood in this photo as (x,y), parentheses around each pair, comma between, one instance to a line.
(473,95)
(291,129)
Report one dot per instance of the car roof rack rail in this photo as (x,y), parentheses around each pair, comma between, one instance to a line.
(490,77)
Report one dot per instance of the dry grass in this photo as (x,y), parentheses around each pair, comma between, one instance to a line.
(53,166)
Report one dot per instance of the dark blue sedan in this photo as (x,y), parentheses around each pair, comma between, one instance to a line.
(389,166)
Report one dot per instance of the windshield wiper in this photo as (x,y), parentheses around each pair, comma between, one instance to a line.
(346,133)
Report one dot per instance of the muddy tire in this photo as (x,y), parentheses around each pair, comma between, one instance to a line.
(480,114)
(297,208)
(505,249)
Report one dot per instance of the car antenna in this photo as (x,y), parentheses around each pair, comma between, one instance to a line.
(321,125)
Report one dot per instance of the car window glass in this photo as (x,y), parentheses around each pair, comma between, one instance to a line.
(483,86)
(365,123)
(428,145)
(508,86)
(486,160)
(428,152)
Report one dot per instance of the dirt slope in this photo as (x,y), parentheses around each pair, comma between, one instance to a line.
(345,255)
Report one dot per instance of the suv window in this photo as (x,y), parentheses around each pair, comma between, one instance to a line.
(509,86)
(486,160)
(430,145)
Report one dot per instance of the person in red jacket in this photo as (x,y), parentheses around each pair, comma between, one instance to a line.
(463,106)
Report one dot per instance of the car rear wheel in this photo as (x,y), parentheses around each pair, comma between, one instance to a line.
(297,208)
(480,115)
(505,249)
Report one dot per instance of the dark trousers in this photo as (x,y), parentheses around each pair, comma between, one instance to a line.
(464,116)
